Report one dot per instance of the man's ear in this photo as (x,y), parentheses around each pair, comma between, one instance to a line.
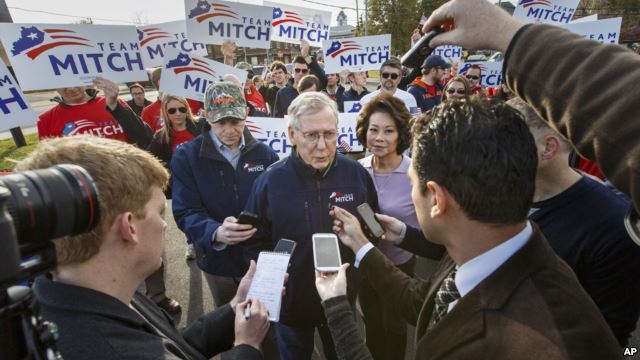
(291,138)
(126,228)
(551,147)
(439,199)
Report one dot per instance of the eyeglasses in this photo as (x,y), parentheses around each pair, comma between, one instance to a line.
(314,137)
(472,77)
(304,71)
(453,91)
(393,76)
(172,111)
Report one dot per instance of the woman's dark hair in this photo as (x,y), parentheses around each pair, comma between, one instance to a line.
(388,104)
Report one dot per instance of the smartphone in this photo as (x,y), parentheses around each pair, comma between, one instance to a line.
(285,246)
(248,218)
(369,218)
(326,252)
(416,55)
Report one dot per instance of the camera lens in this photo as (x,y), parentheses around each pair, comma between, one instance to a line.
(50,203)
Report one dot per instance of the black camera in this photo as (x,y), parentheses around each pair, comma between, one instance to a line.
(36,207)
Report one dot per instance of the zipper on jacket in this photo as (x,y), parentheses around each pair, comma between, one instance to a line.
(224,184)
(306,212)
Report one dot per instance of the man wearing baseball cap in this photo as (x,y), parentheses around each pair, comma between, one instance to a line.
(212,177)
(427,89)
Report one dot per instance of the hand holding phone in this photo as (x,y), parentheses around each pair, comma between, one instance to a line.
(326,252)
(369,219)
(248,219)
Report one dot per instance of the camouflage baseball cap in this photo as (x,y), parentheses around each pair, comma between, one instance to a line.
(223,100)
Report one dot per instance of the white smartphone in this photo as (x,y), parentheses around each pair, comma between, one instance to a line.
(326,252)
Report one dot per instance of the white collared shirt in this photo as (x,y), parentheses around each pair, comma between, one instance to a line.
(471,273)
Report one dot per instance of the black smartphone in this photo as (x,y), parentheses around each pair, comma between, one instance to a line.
(416,55)
(369,218)
(248,218)
(285,246)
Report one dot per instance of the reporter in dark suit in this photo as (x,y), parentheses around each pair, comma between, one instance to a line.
(500,292)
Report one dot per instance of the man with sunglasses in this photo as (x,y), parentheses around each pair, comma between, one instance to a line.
(390,77)
(212,178)
(427,90)
(292,200)
(473,75)
(303,65)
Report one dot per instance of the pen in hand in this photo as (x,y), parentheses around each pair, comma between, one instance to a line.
(247,312)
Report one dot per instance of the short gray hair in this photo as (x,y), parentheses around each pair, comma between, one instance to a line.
(310,102)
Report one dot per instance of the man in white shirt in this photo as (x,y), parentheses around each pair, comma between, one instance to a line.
(390,76)
(500,292)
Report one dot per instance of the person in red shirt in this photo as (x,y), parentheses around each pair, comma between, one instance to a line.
(179,128)
(473,75)
(427,89)
(81,111)
(152,113)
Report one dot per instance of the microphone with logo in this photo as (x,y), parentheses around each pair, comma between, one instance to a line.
(35,208)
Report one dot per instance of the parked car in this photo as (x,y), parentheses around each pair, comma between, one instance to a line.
(497,57)
(476,58)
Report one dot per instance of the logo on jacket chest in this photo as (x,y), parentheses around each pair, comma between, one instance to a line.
(340,197)
(253,168)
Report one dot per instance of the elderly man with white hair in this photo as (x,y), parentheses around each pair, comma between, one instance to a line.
(292,199)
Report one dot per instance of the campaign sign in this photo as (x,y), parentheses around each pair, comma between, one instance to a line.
(14,107)
(291,24)
(189,75)
(352,106)
(546,11)
(215,22)
(491,74)
(586,18)
(47,56)
(273,132)
(606,31)
(154,38)
(451,53)
(356,54)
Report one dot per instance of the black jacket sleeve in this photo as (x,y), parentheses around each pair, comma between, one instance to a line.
(415,242)
(212,333)
(318,72)
(406,80)
(342,325)
(136,130)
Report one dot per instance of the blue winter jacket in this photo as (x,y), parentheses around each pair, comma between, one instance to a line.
(293,200)
(206,190)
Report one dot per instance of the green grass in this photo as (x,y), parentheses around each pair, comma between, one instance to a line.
(9,154)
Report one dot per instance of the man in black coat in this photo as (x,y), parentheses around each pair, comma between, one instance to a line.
(91,296)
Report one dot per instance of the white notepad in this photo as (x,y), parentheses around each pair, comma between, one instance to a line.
(268,281)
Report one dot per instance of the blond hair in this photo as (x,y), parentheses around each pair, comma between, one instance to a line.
(124,176)
(166,132)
